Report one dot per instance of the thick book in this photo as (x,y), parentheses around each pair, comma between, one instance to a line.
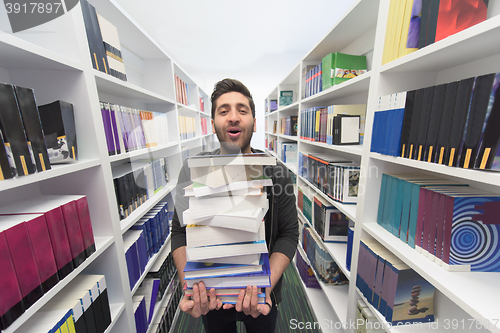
(33,126)
(7,166)
(461,112)
(205,207)
(199,271)
(91,38)
(199,190)
(245,220)
(108,130)
(415,120)
(217,251)
(434,122)
(16,234)
(58,122)
(440,154)
(112,48)
(231,159)
(222,291)
(479,104)
(455,16)
(261,280)
(204,235)
(423,125)
(217,176)
(346,129)
(490,137)
(103,60)
(149,289)
(42,248)
(14,136)
(428,23)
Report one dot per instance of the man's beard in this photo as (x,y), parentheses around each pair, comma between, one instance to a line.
(229,147)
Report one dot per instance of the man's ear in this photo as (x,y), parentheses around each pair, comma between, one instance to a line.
(213,126)
(254,124)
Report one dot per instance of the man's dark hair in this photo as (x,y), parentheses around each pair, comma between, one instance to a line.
(229,85)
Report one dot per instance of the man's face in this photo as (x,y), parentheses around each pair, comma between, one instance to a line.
(233,123)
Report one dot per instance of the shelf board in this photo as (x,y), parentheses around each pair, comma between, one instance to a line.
(140,152)
(480,176)
(55,171)
(113,86)
(187,108)
(102,243)
(350,87)
(126,223)
(116,310)
(475,292)
(460,48)
(348,209)
(349,149)
(290,107)
(337,295)
(16,53)
(322,307)
(151,262)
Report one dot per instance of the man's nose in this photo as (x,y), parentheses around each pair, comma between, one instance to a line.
(234,116)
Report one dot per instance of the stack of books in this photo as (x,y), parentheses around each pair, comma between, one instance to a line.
(226,247)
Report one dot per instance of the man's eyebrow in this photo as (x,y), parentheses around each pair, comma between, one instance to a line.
(239,105)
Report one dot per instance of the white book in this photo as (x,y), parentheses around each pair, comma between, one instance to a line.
(202,190)
(258,190)
(246,220)
(219,175)
(248,259)
(219,251)
(203,235)
(231,159)
(205,207)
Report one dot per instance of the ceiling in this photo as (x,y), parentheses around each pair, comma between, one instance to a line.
(258,41)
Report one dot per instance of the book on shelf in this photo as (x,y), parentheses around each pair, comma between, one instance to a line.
(393,288)
(350,240)
(33,127)
(112,48)
(132,256)
(181,89)
(330,223)
(16,144)
(339,67)
(305,271)
(273,105)
(94,37)
(448,124)
(414,24)
(149,289)
(313,80)
(58,123)
(289,152)
(286,97)
(164,270)
(326,268)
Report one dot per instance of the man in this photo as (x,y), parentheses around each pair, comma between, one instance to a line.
(233,121)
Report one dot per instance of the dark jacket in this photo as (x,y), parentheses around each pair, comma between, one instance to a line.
(281,223)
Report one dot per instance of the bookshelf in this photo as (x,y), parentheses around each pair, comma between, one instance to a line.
(54,60)
(463,298)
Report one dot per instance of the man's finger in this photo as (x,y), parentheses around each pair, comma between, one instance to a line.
(239,301)
(247,300)
(203,297)
(186,304)
(213,299)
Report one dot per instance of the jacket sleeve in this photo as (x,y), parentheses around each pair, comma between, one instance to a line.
(286,210)
(178,236)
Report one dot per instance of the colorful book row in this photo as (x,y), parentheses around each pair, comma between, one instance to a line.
(452,124)
(288,125)
(104,43)
(138,181)
(414,24)
(305,272)
(155,226)
(128,129)
(321,261)
(393,288)
(81,307)
(187,127)
(334,125)
(330,223)
(446,221)
(33,137)
(181,91)
(336,177)
(42,240)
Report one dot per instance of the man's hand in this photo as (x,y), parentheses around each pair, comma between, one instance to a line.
(248,303)
(199,304)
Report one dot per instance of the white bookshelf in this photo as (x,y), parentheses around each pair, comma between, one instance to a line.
(460,297)
(54,60)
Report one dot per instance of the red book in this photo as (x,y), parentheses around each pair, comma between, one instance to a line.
(42,248)
(23,258)
(455,16)
(72,222)
(11,301)
(85,225)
